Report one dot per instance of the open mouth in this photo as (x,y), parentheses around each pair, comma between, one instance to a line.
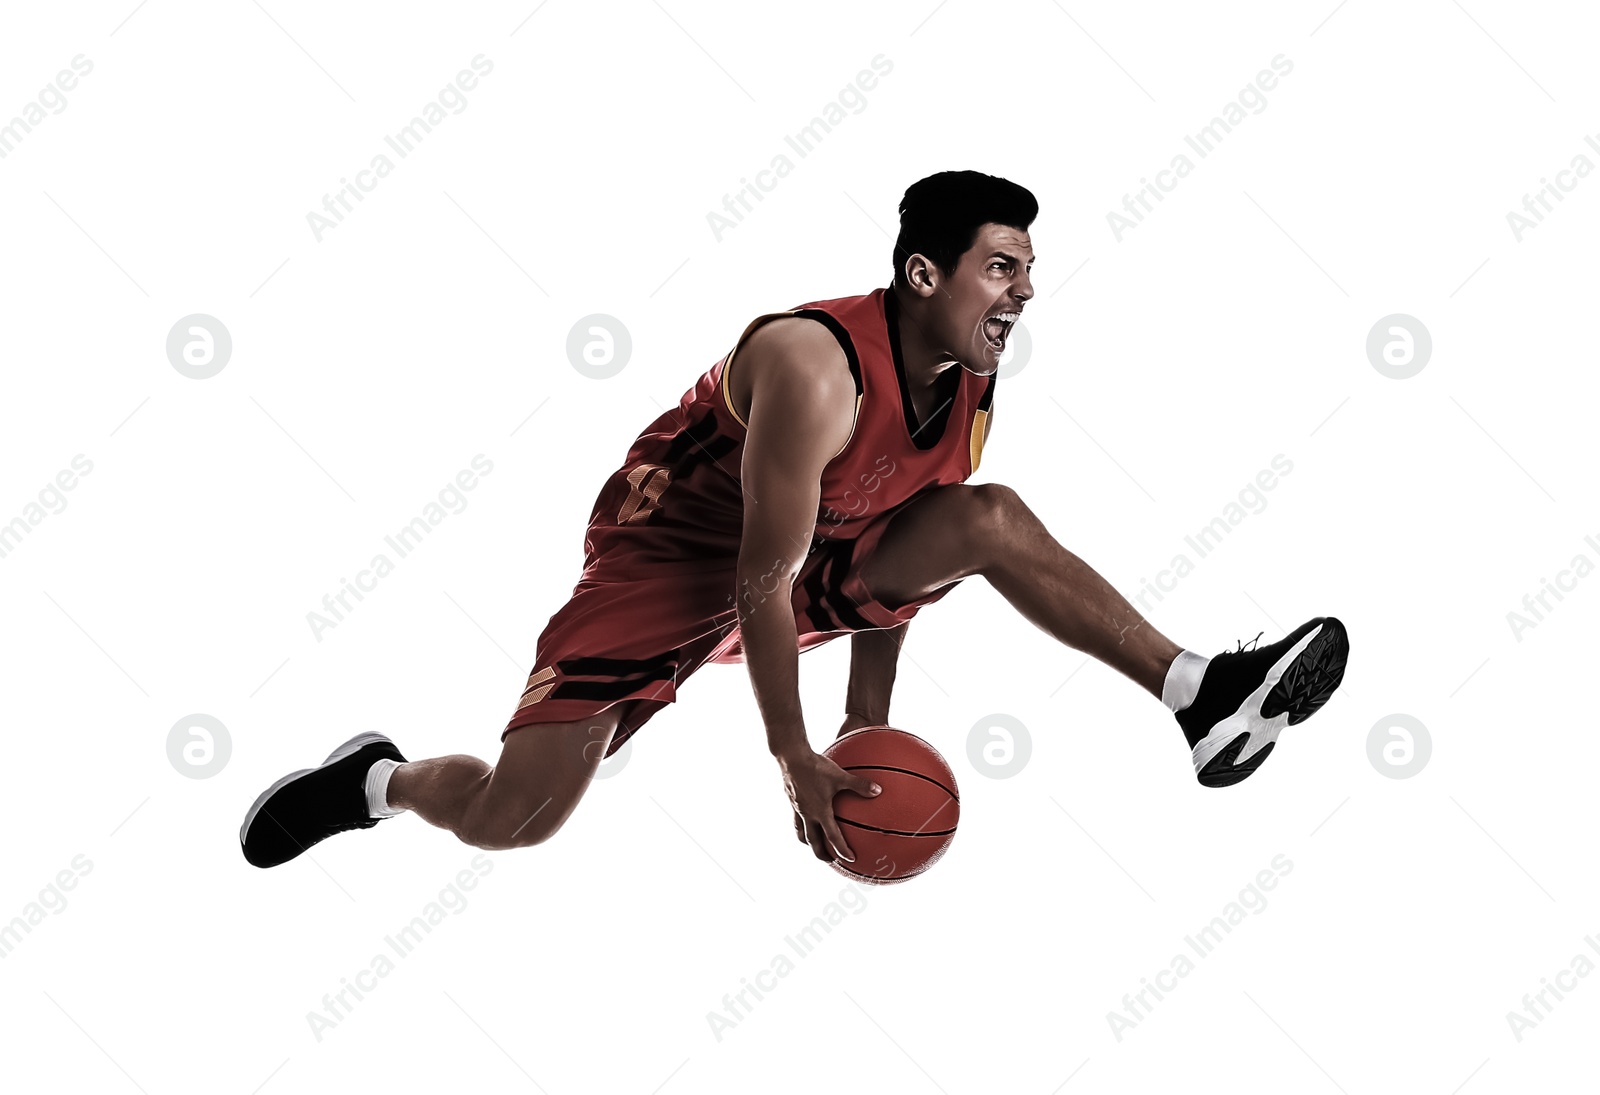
(997,328)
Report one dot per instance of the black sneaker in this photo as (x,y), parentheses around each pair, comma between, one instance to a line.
(1247,697)
(310,805)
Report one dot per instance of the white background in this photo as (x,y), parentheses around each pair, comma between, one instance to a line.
(372,366)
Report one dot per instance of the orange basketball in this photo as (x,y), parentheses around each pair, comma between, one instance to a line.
(903,831)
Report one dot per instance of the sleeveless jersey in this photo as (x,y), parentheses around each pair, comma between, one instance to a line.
(656,599)
(683,472)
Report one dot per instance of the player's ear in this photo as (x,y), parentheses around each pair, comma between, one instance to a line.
(922,275)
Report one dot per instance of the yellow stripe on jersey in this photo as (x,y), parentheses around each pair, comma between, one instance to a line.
(980,434)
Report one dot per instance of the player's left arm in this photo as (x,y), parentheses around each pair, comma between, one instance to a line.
(874,657)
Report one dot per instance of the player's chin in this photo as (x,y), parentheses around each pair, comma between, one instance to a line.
(985,357)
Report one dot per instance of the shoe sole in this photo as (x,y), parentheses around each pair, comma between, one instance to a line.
(360,741)
(1296,688)
(1307,684)
(1225,769)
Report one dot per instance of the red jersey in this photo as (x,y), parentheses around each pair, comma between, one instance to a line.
(693,453)
(656,599)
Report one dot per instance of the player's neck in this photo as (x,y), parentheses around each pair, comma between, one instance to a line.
(924,363)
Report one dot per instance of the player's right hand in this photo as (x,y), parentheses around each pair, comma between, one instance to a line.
(812,781)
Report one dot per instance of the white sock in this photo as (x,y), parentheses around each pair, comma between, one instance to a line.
(1183,680)
(378,789)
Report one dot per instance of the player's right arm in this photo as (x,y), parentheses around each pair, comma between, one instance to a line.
(801,414)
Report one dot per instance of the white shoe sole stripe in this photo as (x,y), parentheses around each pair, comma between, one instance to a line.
(1247,719)
(360,741)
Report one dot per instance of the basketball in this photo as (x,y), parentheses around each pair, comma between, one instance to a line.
(902,832)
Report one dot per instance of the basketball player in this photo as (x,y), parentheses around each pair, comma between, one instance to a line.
(811,483)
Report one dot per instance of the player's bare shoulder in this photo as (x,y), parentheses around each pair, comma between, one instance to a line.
(800,363)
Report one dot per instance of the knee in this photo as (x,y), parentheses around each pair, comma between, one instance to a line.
(541,776)
(994,510)
(513,823)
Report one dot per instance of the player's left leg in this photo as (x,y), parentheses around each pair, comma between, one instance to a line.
(1231,707)
(955,532)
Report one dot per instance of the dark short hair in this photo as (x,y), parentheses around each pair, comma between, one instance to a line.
(941,214)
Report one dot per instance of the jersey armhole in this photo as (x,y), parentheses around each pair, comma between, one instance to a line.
(838,332)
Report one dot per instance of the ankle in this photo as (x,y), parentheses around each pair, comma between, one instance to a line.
(377,787)
(1181,682)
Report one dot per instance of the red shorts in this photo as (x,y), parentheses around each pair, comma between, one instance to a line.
(641,622)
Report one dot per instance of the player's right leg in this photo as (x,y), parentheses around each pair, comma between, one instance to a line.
(543,771)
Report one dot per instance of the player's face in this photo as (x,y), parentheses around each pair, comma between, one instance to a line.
(983,299)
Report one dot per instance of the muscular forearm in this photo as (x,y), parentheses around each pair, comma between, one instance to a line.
(874,657)
(772,653)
